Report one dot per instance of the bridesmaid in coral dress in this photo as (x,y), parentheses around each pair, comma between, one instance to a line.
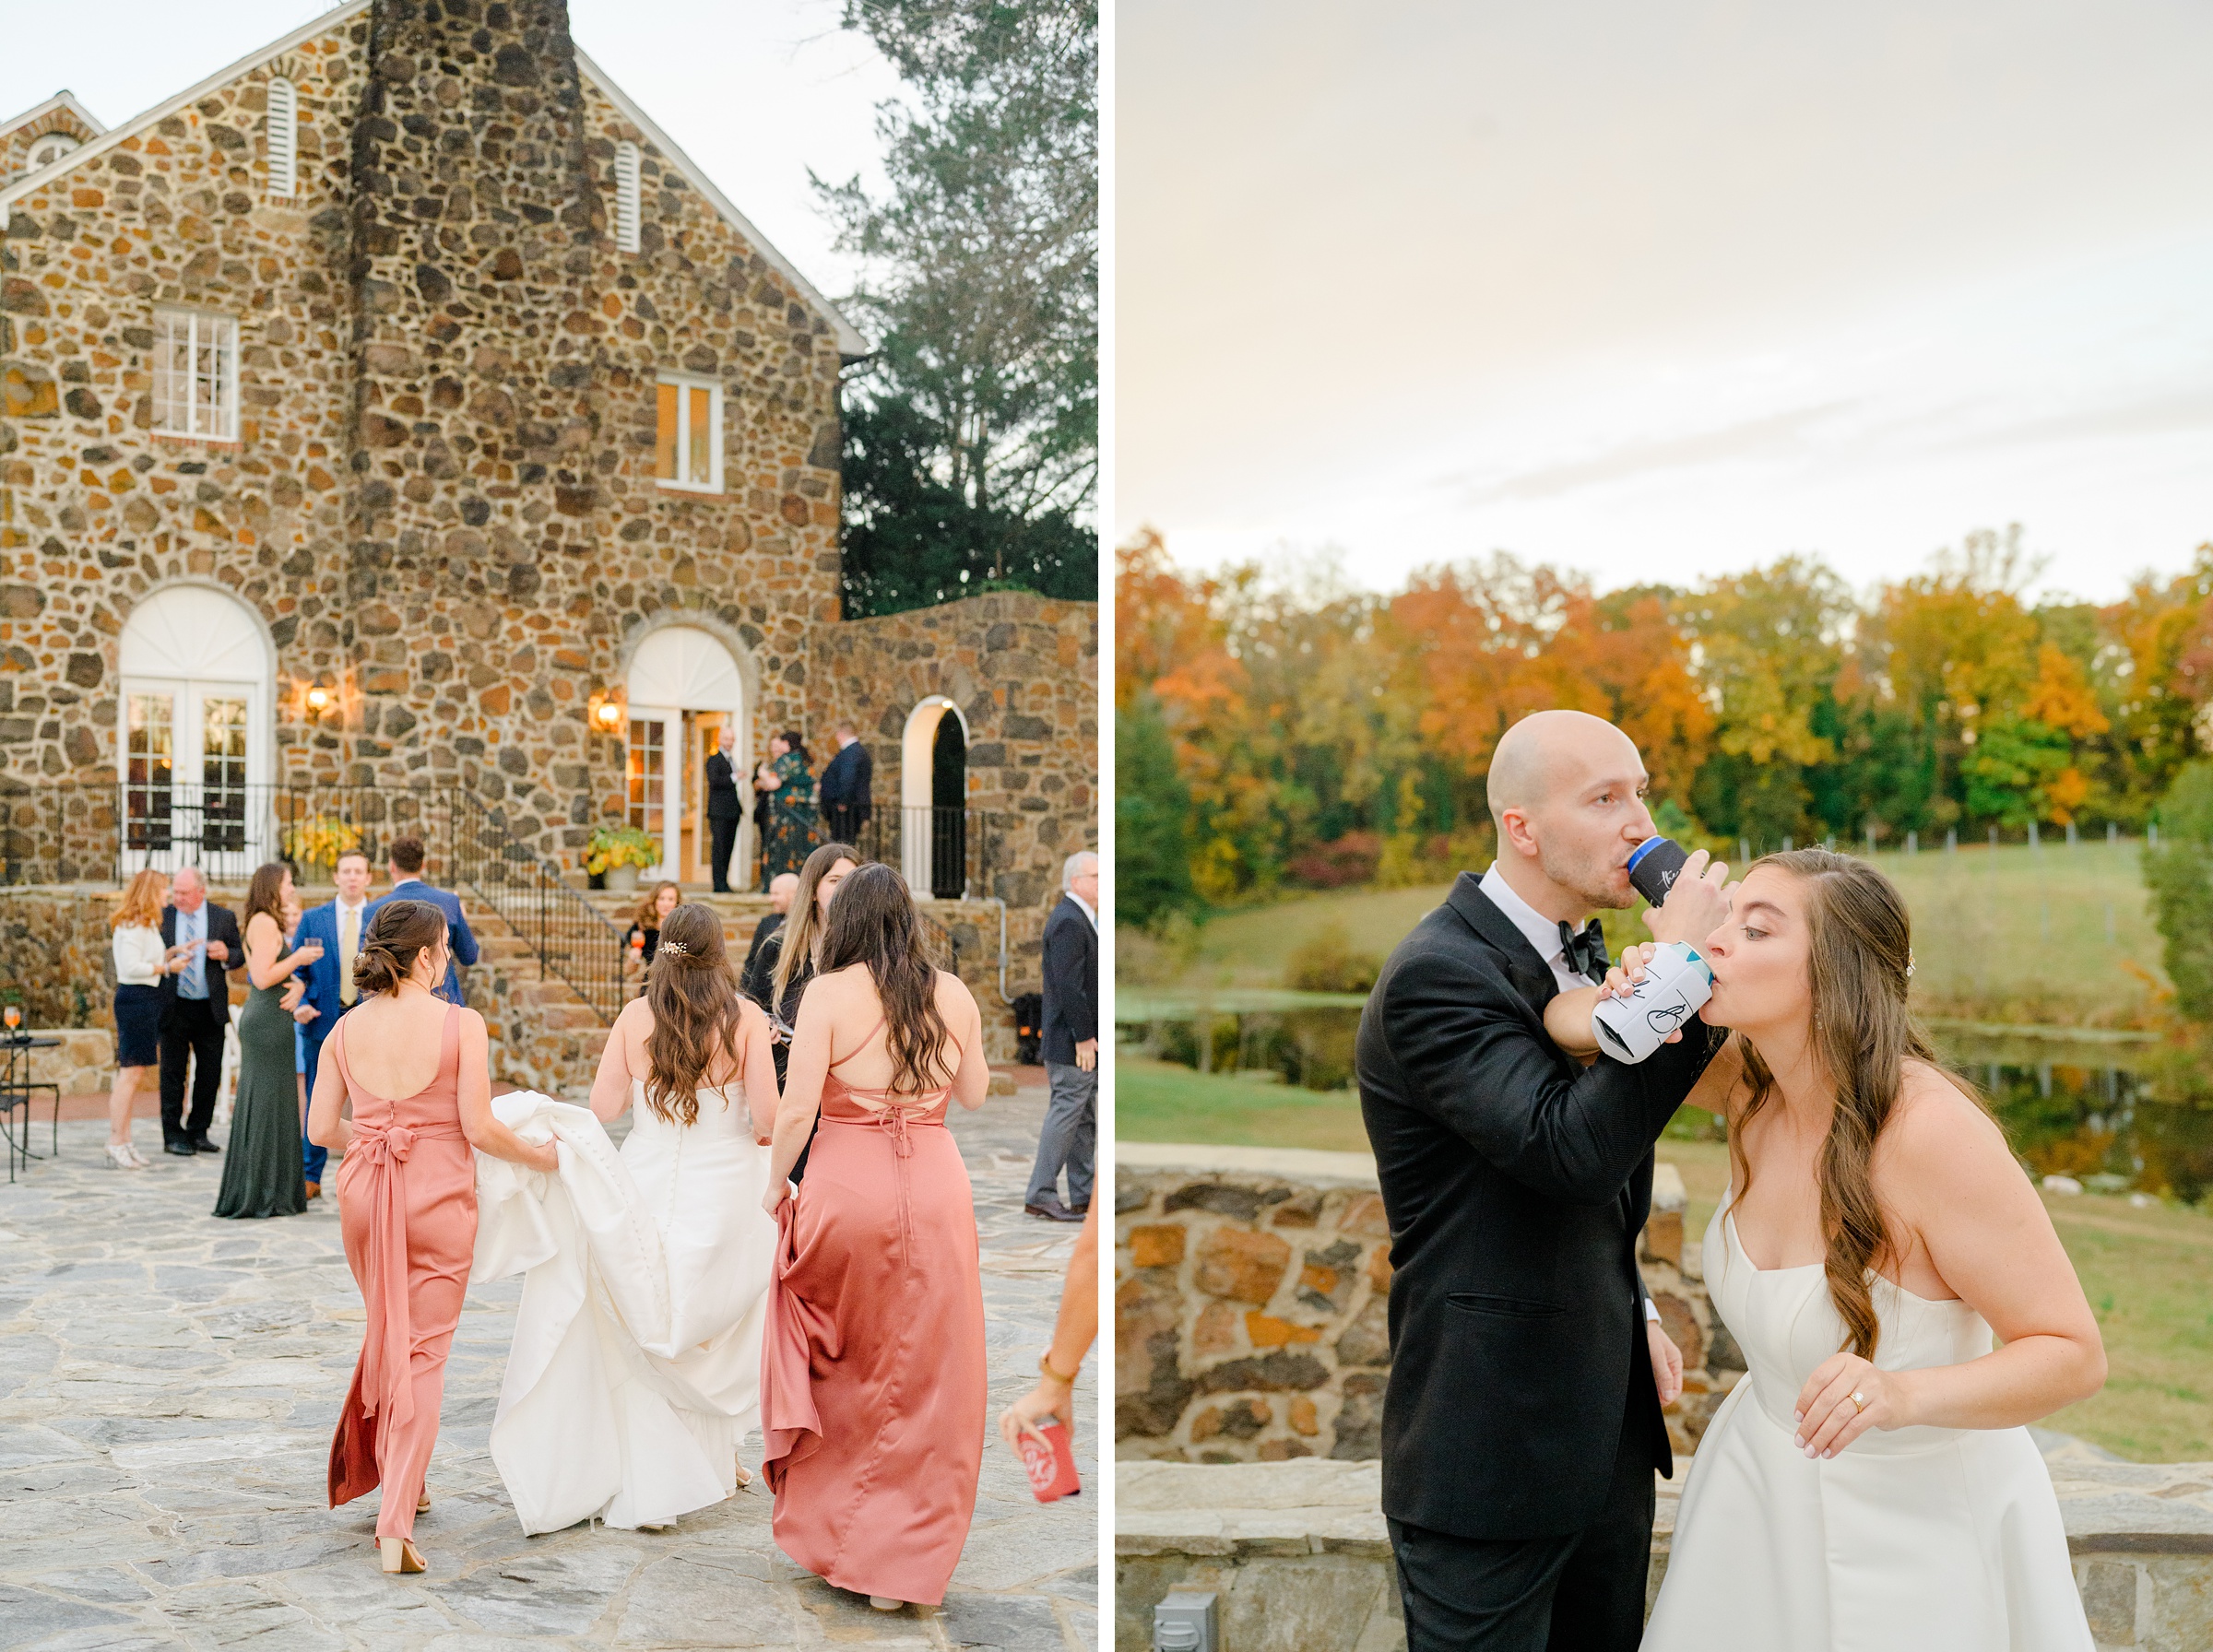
(407,1201)
(872,1369)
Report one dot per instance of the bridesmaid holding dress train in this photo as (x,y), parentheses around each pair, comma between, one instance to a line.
(407,1202)
(872,1369)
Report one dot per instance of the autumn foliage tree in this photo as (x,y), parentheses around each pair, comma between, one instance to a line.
(1312,725)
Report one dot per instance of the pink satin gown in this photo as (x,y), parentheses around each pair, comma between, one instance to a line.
(407,1205)
(872,1369)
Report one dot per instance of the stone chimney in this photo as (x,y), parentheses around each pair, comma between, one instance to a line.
(479,428)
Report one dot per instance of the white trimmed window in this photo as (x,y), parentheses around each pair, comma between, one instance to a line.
(196,374)
(284,138)
(626,197)
(687,433)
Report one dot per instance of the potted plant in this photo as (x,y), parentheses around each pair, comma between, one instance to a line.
(314,844)
(617,851)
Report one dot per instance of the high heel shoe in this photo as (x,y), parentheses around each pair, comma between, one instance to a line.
(122,1158)
(423,1504)
(400,1554)
(885,1603)
(137,1158)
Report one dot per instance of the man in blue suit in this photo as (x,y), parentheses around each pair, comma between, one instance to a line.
(407,885)
(339,926)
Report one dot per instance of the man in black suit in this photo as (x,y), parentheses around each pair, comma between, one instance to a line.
(844,787)
(1522,1419)
(725,813)
(196,1008)
(751,980)
(1071,1045)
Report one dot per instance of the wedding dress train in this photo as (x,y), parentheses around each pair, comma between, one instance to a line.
(636,1371)
(1917,1540)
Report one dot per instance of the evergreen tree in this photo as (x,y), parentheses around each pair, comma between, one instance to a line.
(1151,860)
(972,433)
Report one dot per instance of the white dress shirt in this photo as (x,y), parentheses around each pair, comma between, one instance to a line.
(1543,933)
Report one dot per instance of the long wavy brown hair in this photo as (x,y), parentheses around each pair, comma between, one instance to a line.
(696,1011)
(1860,952)
(265,894)
(646,917)
(142,901)
(799,938)
(872,922)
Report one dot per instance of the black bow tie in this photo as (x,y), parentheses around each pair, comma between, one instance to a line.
(1586,953)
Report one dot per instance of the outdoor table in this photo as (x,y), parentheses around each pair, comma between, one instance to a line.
(17,1088)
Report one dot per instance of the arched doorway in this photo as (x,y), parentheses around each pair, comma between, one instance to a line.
(684,688)
(194,736)
(933,799)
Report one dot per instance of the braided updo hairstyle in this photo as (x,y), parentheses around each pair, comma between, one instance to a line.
(399,932)
(696,1011)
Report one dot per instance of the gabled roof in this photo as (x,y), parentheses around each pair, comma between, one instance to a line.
(61,100)
(849,339)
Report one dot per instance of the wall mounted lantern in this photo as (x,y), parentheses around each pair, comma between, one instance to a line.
(606,712)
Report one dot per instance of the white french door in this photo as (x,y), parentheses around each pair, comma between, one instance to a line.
(194,768)
(655,775)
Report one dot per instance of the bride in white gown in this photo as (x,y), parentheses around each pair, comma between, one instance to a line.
(636,1371)
(1870,1484)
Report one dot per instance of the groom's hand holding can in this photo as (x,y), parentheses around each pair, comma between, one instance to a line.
(1694,890)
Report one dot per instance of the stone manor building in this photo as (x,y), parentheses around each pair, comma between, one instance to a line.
(400,409)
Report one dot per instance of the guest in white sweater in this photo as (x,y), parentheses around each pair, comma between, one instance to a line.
(141,961)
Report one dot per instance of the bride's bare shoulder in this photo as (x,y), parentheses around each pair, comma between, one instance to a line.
(1937,1131)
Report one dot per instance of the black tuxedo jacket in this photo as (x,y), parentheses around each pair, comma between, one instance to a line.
(1071,982)
(222,925)
(723,803)
(1516,1181)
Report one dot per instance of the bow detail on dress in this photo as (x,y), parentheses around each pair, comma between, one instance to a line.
(388,1340)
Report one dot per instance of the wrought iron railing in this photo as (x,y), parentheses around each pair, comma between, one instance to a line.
(563,930)
(104,831)
(942,853)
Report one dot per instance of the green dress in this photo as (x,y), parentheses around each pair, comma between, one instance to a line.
(262,1173)
(790,829)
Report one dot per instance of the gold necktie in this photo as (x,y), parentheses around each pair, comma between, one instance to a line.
(349,941)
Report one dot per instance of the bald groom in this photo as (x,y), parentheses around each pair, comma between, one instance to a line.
(1521,1419)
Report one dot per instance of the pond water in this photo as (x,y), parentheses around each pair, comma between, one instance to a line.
(2074,1102)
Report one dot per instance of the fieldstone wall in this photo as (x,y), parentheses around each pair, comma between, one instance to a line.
(1023,669)
(57,958)
(1251,1300)
(441,498)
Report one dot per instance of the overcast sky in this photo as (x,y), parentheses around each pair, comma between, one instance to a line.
(756,91)
(1659,291)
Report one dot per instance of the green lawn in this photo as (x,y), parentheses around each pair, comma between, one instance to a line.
(2146,1273)
(2055,935)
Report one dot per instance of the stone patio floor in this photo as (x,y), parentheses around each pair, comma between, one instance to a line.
(168,1386)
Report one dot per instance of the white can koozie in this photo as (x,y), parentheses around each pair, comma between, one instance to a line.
(1676,983)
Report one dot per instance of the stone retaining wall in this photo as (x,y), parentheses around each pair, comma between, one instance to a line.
(55,956)
(1300,1557)
(1252,1288)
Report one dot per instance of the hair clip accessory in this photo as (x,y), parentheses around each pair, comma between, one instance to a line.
(673,948)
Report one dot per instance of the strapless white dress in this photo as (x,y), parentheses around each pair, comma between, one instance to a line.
(1917,1540)
(636,1371)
